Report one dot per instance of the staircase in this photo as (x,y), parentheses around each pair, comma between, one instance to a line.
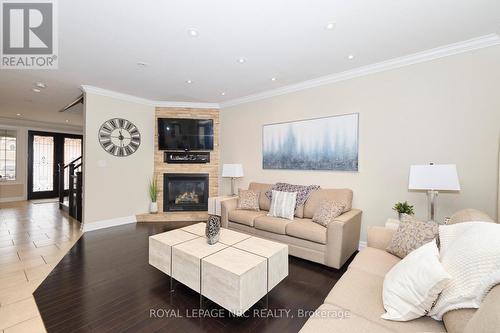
(74,192)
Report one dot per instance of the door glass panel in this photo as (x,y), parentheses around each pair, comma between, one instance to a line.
(43,163)
(72,150)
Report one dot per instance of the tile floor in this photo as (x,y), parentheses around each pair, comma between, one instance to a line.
(33,239)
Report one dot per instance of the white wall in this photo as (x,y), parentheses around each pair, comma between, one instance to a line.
(115,188)
(443,111)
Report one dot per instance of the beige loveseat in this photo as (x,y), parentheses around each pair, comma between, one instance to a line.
(357,296)
(330,246)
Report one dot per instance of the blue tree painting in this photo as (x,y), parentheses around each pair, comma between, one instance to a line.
(329,143)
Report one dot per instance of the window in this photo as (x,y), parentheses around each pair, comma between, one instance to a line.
(8,144)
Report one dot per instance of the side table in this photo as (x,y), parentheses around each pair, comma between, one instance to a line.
(214,204)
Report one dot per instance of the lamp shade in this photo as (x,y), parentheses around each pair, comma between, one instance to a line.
(232,170)
(440,177)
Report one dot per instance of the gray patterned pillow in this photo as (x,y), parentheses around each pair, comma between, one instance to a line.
(327,212)
(248,200)
(303,191)
(411,234)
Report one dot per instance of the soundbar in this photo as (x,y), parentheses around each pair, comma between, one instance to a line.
(186,157)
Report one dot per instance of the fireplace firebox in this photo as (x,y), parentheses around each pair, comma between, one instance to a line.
(185,192)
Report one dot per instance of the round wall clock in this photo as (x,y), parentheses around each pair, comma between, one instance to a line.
(119,137)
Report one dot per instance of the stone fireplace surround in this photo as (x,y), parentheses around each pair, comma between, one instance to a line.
(160,167)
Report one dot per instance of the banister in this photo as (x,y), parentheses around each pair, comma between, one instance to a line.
(73,162)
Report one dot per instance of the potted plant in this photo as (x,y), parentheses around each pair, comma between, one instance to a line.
(153,195)
(403,208)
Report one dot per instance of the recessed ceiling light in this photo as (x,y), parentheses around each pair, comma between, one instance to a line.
(189,81)
(193,33)
(40,85)
(223,93)
(18,114)
(36,90)
(330,26)
(273,79)
(242,60)
(142,64)
(350,57)
(67,120)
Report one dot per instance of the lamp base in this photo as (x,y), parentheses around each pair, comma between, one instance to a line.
(432,204)
(233,179)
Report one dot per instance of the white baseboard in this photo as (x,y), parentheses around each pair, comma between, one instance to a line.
(12,199)
(108,223)
(362,245)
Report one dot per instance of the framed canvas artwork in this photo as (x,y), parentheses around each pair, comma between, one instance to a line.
(329,143)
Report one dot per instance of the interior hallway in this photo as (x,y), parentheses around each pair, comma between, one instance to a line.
(33,239)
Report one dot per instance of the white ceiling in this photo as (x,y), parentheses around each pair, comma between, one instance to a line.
(100,43)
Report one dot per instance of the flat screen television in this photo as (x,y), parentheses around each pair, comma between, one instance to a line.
(185,134)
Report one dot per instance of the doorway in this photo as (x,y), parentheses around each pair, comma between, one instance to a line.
(45,151)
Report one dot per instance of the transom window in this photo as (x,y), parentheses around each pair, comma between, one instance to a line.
(8,145)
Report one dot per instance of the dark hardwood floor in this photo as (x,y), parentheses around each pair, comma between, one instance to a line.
(105,284)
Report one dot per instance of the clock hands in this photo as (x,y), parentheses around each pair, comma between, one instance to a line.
(120,137)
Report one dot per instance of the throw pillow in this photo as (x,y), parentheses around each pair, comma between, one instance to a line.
(470,252)
(411,234)
(283,204)
(327,212)
(248,200)
(412,286)
(302,191)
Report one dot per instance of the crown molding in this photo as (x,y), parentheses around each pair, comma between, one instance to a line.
(144,101)
(39,125)
(428,55)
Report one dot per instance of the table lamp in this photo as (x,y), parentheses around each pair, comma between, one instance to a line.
(433,178)
(232,171)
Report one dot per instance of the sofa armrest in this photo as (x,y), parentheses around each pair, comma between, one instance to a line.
(226,207)
(379,237)
(343,237)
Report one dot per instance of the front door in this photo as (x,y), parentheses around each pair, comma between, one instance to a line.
(45,151)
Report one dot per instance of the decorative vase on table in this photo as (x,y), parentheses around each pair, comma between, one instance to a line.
(212,230)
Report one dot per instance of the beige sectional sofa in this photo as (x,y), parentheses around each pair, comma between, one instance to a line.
(330,246)
(358,296)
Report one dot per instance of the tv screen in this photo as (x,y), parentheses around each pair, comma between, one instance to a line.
(185,134)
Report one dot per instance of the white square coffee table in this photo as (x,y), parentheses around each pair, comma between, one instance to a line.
(160,248)
(276,255)
(234,279)
(235,273)
(186,260)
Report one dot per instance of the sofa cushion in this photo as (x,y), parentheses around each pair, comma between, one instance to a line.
(264,202)
(245,217)
(468,215)
(283,204)
(456,320)
(361,293)
(411,235)
(307,229)
(327,212)
(374,261)
(271,224)
(248,199)
(327,318)
(487,318)
(316,197)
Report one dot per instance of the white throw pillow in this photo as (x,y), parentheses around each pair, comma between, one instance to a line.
(283,204)
(413,284)
(470,252)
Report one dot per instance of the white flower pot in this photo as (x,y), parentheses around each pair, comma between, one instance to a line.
(153,207)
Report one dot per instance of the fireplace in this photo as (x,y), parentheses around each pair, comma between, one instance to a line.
(185,192)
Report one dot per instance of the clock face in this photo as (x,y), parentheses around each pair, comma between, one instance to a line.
(119,137)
